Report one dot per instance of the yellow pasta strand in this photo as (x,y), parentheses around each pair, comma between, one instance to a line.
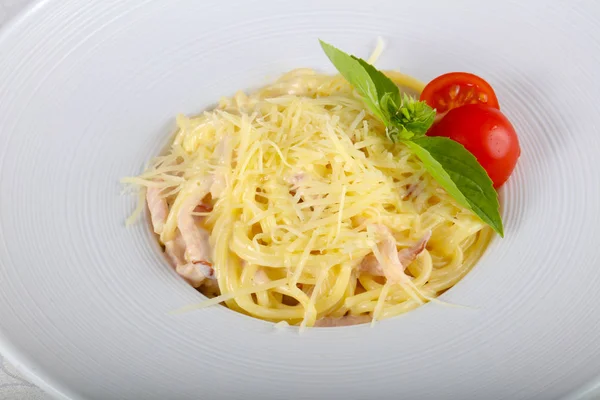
(298,172)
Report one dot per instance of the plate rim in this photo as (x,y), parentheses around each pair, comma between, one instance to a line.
(12,354)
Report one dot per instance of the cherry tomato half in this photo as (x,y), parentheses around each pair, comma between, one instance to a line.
(455,89)
(487,134)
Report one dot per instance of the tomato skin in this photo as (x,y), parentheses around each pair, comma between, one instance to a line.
(487,134)
(456,89)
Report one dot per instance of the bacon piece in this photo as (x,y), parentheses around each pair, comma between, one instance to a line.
(409,254)
(194,273)
(175,250)
(194,236)
(261,277)
(203,208)
(197,266)
(159,210)
(401,259)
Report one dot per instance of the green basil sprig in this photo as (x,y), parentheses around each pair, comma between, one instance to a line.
(407,120)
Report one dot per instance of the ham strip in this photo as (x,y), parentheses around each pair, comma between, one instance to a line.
(175,250)
(195,238)
(370,265)
(189,252)
(159,210)
(194,274)
(409,254)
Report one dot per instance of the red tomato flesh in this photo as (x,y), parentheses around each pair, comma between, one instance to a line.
(487,134)
(456,89)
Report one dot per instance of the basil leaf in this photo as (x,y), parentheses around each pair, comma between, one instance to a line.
(412,119)
(384,85)
(370,83)
(415,116)
(459,172)
(404,117)
(407,119)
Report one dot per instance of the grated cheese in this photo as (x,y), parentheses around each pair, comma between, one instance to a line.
(297,173)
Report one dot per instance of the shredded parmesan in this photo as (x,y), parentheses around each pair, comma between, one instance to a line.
(379,47)
(241,292)
(293,177)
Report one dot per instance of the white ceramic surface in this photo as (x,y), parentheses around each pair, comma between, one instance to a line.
(12,383)
(88,91)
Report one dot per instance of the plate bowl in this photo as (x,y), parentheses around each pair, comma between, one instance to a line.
(88,92)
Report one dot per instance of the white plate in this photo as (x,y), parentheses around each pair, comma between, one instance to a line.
(88,91)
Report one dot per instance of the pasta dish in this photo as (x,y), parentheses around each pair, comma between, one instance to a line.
(292,204)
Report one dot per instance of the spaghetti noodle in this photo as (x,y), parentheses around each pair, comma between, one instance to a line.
(290,204)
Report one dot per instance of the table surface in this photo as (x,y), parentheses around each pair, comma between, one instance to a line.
(12,384)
